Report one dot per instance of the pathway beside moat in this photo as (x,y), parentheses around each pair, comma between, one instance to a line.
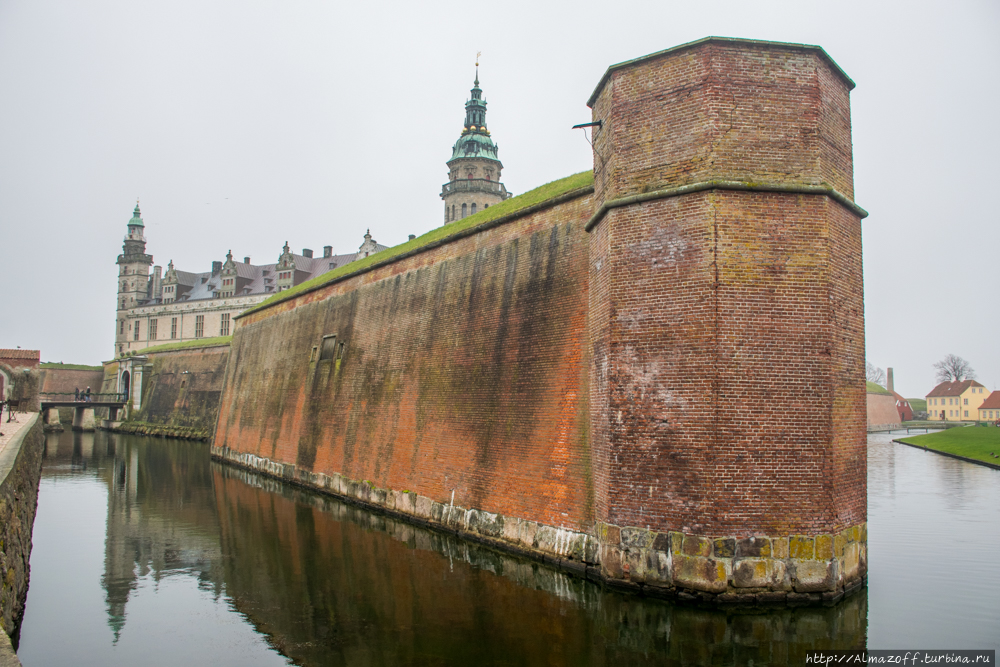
(9,430)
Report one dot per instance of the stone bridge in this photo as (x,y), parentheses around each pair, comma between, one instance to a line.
(83,407)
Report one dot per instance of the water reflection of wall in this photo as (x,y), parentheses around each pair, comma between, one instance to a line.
(161,511)
(331,583)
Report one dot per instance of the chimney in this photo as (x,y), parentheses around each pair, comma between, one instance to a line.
(246,260)
(412,236)
(216,267)
(157,282)
(888,379)
(328,251)
(306,252)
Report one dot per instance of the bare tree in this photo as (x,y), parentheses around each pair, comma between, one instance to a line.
(874,374)
(954,369)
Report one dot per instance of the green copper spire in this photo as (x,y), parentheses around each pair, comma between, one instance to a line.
(136,220)
(475,140)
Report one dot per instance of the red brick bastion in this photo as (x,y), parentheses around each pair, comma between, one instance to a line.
(653,376)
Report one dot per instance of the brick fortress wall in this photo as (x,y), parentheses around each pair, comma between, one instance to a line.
(727,317)
(660,385)
(180,392)
(450,381)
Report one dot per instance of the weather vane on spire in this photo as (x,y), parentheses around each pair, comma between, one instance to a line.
(478,53)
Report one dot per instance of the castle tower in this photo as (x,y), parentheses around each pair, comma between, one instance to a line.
(133,276)
(474,168)
(727,389)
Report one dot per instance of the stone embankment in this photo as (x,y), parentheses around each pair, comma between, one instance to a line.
(20,471)
(161,430)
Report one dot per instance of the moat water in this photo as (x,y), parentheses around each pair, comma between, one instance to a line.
(148,553)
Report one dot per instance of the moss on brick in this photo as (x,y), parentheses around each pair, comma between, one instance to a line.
(514,205)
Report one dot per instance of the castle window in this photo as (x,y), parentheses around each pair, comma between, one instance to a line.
(173,327)
(121,329)
(486,206)
(199,326)
(152,329)
(329,347)
(463,210)
(473,208)
(452,211)
(312,354)
(224,326)
(135,331)
(340,351)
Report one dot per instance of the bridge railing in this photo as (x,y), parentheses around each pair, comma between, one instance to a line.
(83,397)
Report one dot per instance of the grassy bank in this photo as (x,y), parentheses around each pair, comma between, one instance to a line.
(973,442)
(511,206)
(189,344)
(68,367)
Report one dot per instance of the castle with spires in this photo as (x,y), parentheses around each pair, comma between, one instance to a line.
(154,308)
(179,306)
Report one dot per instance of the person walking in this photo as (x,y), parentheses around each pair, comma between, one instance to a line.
(76,393)
(88,395)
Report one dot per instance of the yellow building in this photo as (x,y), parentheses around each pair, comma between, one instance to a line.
(989,411)
(955,401)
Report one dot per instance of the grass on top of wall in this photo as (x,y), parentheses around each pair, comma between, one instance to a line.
(68,367)
(188,344)
(972,442)
(918,404)
(531,198)
(874,388)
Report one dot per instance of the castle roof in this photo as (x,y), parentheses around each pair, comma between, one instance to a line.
(474,144)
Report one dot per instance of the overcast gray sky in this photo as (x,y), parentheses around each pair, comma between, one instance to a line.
(245,124)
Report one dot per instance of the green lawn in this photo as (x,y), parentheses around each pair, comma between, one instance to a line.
(189,344)
(874,388)
(974,442)
(69,367)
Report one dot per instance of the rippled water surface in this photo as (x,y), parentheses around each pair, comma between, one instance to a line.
(146,552)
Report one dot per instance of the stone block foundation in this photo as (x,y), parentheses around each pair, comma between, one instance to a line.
(755,570)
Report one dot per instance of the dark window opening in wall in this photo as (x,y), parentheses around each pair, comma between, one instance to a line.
(121,330)
(224,326)
(463,210)
(173,327)
(486,206)
(312,353)
(152,329)
(340,351)
(329,347)
(199,326)
(473,208)
(135,332)
(453,212)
